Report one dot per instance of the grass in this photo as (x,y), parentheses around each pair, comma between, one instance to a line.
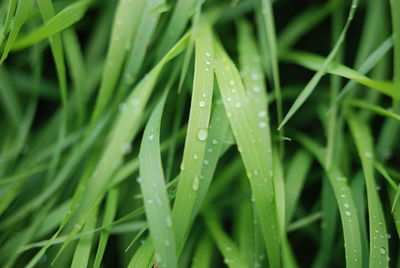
(238,133)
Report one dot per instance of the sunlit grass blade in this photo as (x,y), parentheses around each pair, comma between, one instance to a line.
(253,147)
(377,225)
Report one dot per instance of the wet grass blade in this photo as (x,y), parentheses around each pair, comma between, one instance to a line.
(253,147)
(377,225)
(152,184)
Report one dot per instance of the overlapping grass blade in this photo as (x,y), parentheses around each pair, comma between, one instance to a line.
(21,15)
(315,62)
(197,133)
(141,41)
(309,88)
(124,26)
(253,147)
(155,199)
(232,256)
(377,225)
(59,22)
(345,202)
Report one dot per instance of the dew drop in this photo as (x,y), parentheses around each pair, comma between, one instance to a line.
(195,185)
(208,62)
(346,205)
(231,82)
(256,88)
(138,179)
(208,54)
(122,107)
(126,148)
(368,154)
(135,102)
(195,156)
(151,137)
(262,114)
(206,162)
(255,76)
(238,105)
(382,250)
(348,213)
(214,141)
(262,125)
(202,103)
(169,222)
(202,134)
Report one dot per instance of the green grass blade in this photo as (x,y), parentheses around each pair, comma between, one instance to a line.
(311,85)
(61,21)
(21,15)
(156,201)
(377,227)
(345,202)
(253,148)
(125,23)
(315,62)
(232,256)
(197,133)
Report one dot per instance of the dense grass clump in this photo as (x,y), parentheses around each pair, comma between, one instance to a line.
(199,133)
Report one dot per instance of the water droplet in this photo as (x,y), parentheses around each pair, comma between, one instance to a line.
(262,114)
(169,222)
(343,195)
(262,125)
(204,95)
(348,213)
(206,69)
(238,105)
(135,102)
(150,201)
(382,250)
(214,141)
(231,82)
(256,172)
(138,179)
(195,185)
(202,134)
(368,154)
(255,76)
(208,54)
(122,107)
(126,148)
(340,178)
(151,137)
(346,205)
(229,99)
(256,88)
(208,62)
(202,103)
(195,156)
(206,162)
(167,243)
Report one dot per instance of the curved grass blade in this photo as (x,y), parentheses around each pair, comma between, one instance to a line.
(109,215)
(375,108)
(309,88)
(253,147)
(21,15)
(268,16)
(12,6)
(59,22)
(124,26)
(141,40)
(345,202)
(315,62)
(298,170)
(377,227)
(155,199)
(197,133)
(203,253)
(176,25)
(232,256)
